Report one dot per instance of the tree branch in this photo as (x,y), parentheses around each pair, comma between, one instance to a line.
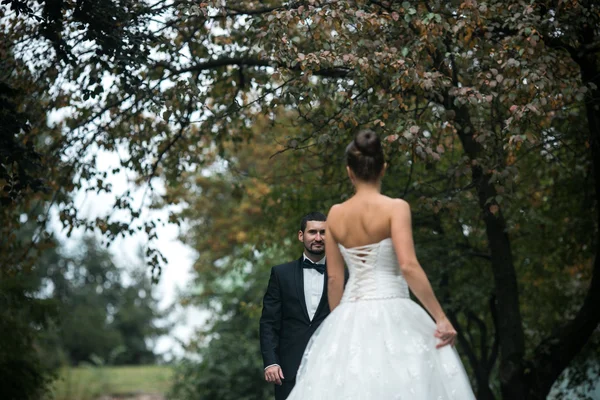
(263,10)
(337,72)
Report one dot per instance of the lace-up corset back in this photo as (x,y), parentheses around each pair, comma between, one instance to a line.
(374,272)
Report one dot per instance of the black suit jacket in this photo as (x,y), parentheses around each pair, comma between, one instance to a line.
(285,327)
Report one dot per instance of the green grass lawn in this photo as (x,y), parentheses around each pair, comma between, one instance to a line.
(86,383)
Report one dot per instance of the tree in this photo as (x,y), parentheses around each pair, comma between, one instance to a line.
(28,354)
(137,319)
(24,371)
(35,174)
(23,160)
(42,164)
(100,315)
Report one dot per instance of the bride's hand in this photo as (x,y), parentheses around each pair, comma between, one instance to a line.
(445,332)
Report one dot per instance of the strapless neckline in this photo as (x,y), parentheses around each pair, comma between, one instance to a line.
(366,245)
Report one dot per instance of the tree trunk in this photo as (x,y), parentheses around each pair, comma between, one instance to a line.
(510,330)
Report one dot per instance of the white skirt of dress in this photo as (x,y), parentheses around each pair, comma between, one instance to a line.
(380,349)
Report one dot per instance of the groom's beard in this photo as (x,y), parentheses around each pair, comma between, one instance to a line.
(317,252)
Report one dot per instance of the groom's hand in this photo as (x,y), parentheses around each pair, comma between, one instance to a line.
(274,374)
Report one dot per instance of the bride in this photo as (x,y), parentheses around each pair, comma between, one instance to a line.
(377,343)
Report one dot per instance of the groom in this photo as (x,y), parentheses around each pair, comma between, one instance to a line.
(294,306)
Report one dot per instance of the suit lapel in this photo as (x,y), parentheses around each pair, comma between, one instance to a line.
(299,278)
(323,301)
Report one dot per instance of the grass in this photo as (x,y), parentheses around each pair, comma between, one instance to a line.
(87,383)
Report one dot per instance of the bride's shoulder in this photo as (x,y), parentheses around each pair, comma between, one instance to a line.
(398,208)
(396,202)
(335,209)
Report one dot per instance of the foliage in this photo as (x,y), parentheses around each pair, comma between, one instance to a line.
(26,159)
(27,355)
(101,317)
(24,317)
(23,372)
(44,56)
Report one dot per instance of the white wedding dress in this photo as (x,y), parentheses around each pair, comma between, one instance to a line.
(378,344)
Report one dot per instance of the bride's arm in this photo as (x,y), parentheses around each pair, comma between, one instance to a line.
(412,271)
(335,266)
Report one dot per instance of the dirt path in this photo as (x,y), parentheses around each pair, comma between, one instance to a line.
(134,396)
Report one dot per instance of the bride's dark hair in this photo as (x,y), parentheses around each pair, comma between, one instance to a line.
(364,156)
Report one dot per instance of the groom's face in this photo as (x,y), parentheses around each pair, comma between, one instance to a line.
(313,237)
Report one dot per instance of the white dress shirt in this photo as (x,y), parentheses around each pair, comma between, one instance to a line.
(313,287)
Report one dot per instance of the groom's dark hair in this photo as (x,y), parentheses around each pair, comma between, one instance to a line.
(312,216)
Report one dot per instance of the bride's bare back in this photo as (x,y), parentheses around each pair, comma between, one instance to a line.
(365,219)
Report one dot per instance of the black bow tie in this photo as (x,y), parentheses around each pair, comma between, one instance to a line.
(320,268)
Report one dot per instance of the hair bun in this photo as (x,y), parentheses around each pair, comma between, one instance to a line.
(368,143)
(364,156)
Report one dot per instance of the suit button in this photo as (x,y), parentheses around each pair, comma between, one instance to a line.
(309,324)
